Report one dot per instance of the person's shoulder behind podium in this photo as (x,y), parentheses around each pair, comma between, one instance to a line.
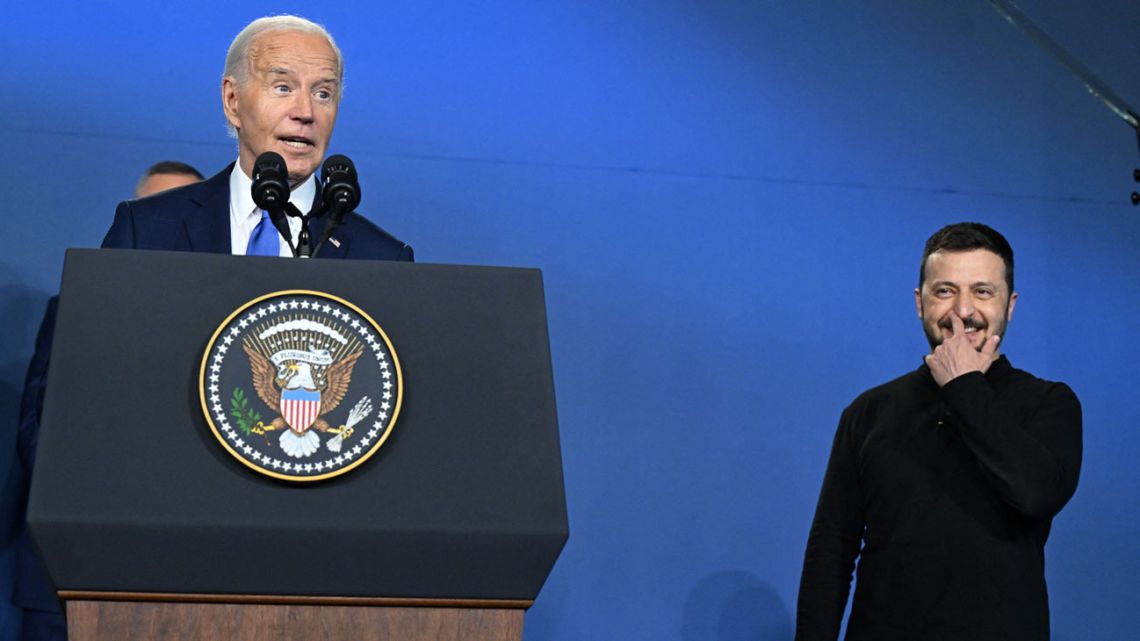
(280,92)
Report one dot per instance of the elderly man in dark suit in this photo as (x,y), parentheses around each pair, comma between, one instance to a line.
(281,90)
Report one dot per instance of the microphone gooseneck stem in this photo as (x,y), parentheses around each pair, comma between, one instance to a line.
(304,249)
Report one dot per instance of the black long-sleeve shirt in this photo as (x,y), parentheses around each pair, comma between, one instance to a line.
(951,492)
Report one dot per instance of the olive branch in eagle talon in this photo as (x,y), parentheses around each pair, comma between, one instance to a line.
(270,382)
(245,417)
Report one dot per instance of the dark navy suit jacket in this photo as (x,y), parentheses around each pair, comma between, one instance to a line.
(197,218)
(193,218)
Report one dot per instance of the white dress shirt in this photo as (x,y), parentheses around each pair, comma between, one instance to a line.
(244,214)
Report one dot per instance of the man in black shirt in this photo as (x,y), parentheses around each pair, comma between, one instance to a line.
(944,482)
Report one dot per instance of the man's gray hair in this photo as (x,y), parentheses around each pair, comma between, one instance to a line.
(237,59)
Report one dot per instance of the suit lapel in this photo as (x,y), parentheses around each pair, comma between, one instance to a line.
(208,228)
(335,247)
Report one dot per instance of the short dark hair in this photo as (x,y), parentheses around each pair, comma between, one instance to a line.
(172,167)
(961,237)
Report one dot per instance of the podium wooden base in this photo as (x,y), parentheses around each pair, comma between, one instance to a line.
(148,617)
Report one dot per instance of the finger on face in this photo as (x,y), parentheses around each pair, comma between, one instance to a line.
(957,329)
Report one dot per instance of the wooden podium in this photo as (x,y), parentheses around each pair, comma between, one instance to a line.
(151,529)
(138,617)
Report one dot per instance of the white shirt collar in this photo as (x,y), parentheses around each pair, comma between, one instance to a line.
(245,214)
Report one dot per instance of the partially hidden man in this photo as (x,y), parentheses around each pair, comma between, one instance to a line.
(944,482)
(280,90)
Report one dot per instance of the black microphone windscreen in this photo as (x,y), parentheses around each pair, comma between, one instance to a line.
(340,189)
(270,188)
(338,165)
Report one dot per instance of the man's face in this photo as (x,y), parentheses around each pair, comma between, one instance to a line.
(155,183)
(288,102)
(970,284)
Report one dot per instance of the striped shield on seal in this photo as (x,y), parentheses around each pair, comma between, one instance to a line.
(299,408)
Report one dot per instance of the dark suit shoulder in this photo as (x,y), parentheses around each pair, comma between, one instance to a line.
(171,201)
(174,203)
(193,217)
(368,241)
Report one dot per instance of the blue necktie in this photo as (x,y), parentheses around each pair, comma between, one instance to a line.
(263,241)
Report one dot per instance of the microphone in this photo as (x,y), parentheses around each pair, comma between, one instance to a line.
(340,190)
(270,190)
(340,194)
(270,181)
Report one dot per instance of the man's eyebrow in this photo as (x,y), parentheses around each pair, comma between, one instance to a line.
(950,283)
(285,71)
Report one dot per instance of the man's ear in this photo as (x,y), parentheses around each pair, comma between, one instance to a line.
(918,302)
(1009,308)
(230,101)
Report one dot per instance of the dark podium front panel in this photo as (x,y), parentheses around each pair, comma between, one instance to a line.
(132,492)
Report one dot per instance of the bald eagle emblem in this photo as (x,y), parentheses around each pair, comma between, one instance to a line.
(304,386)
(325,374)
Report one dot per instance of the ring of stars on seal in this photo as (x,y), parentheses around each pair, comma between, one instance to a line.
(300,385)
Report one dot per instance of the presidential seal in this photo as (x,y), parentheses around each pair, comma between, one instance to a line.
(300,385)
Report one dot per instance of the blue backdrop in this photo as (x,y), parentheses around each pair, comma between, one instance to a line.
(728,200)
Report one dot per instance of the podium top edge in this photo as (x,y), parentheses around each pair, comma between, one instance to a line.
(272,599)
(84,252)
